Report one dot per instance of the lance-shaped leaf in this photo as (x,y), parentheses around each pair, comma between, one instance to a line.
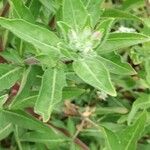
(5,127)
(94,10)
(127,138)
(50,92)
(25,95)
(63,29)
(105,27)
(74,13)
(93,72)
(50,5)
(12,56)
(38,36)
(112,140)
(143,102)
(44,137)
(21,10)
(24,120)
(9,75)
(117,41)
(115,65)
(118,14)
(72,92)
(131,134)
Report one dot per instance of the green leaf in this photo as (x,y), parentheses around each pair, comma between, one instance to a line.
(17,132)
(63,29)
(50,5)
(3,99)
(112,140)
(38,36)
(29,146)
(50,93)
(105,27)
(5,130)
(25,95)
(9,75)
(93,7)
(5,127)
(21,10)
(93,72)
(128,4)
(127,138)
(131,134)
(12,56)
(35,8)
(116,65)
(25,120)
(143,102)
(44,137)
(110,110)
(143,146)
(74,13)
(122,40)
(72,92)
(25,102)
(118,14)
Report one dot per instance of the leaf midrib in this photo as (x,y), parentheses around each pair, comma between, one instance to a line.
(25,35)
(53,90)
(133,133)
(37,41)
(5,128)
(9,72)
(24,100)
(87,67)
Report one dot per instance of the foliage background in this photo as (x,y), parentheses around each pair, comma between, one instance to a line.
(74,74)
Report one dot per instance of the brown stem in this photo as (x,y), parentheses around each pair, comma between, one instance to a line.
(62,130)
(52,23)
(5,10)
(76,140)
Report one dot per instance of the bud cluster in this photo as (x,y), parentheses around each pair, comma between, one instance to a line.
(84,41)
